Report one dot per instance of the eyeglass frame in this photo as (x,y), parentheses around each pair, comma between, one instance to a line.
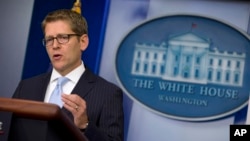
(44,40)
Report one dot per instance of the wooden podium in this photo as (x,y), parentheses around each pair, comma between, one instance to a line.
(42,111)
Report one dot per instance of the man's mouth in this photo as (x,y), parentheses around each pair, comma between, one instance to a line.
(57,56)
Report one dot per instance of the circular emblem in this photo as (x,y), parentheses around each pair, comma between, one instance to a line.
(186,67)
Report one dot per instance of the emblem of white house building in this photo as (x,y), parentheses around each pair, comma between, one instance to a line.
(186,67)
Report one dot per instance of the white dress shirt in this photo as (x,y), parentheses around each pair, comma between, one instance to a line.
(73,77)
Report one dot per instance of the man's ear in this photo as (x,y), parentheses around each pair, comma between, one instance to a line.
(84,41)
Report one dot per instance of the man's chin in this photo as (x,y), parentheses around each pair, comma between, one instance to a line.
(58,67)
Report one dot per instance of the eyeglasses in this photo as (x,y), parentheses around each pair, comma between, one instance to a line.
(61,39)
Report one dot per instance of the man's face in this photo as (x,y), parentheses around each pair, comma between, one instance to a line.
(67,56)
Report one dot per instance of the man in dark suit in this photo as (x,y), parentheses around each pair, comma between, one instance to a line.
(93,104)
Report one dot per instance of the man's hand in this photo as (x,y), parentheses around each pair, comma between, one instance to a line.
(77,106)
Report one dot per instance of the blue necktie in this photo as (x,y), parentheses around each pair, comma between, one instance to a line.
(56,94)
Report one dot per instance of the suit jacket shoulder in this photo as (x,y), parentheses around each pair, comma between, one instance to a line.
(33,88)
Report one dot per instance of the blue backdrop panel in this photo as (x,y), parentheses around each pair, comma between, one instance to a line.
(36,58)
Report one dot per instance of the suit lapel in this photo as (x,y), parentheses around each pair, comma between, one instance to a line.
(41,95)
(44,84)
(83,86)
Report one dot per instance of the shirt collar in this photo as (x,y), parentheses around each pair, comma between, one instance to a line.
(73,76)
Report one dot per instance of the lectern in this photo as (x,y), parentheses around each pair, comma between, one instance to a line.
(50,113)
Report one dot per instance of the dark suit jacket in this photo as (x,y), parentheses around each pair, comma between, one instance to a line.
(104,108)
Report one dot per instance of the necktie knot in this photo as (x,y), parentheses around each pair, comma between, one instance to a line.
(61,81)
(56,94)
